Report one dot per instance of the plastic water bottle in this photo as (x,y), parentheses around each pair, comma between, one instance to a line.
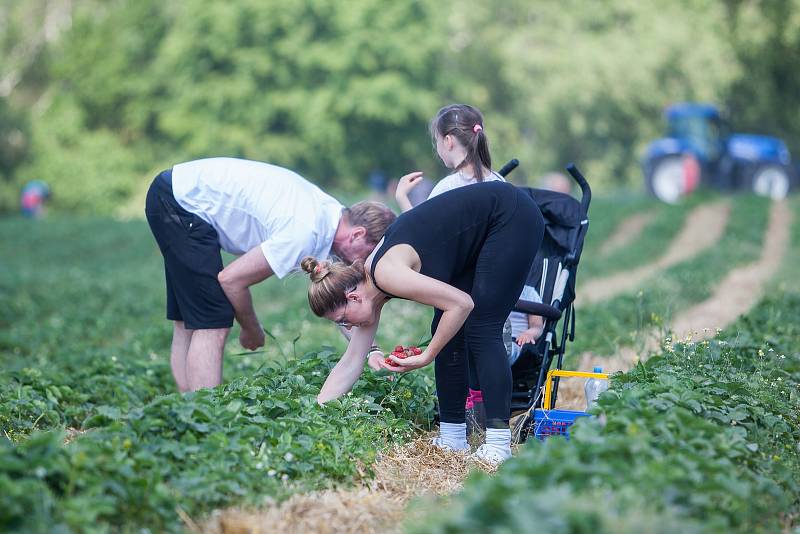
(593,388)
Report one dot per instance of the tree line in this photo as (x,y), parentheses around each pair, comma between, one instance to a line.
(97,96)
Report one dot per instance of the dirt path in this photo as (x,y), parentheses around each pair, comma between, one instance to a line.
(627,232)
(739,291)
(702,229)
(743,287)
(379,505)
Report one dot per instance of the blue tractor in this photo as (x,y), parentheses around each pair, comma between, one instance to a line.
(699,149)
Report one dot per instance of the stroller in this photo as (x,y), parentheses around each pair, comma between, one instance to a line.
(553,274)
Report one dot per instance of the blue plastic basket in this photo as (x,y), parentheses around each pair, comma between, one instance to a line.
(554,422)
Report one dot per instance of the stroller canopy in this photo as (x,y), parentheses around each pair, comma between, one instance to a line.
(561,248)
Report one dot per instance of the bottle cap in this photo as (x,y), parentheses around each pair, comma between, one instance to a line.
(598,369)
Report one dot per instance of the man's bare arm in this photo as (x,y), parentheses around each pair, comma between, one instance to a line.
(236,279)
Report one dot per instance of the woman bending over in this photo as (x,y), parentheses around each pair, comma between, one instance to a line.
(443,253)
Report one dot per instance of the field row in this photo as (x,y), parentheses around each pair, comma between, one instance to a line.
(701,438)
(85,347)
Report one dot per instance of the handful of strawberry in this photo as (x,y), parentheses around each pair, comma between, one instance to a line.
(402,353)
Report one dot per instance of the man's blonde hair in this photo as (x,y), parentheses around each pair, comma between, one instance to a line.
(375,217)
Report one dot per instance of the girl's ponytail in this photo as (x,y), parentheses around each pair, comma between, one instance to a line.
(465,123)
(478,152)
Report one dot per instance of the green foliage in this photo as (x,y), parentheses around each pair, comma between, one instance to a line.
(765,97)
(704,435)
(84,348)
(589,83)
(89,170)
(116,91)
(258,436)
(12,140)
(13,150)
(332,90)
(311,85)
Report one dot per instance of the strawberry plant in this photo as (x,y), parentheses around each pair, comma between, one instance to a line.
(85,348)
(256,436)
(700,438)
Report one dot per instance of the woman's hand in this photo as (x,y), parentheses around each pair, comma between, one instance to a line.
(404,187)
(395,276)
(375,360)
(403,365)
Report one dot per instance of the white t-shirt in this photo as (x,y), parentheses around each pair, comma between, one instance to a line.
(456,180)
(250,203)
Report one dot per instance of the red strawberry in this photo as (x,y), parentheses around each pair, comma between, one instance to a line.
(398,348)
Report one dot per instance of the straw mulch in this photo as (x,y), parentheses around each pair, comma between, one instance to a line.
(379,504)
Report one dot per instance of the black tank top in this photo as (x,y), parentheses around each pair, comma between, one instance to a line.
(448,230)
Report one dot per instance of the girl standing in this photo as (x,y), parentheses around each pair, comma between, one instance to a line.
(461,143)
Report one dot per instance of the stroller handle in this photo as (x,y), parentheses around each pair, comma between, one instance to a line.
(586,198)
(586,191)
(508,167)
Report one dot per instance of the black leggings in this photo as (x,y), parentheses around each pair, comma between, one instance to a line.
(494,284)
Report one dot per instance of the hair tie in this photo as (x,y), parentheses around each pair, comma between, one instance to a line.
(477,128)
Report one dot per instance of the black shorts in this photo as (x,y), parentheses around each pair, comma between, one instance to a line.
(192,260)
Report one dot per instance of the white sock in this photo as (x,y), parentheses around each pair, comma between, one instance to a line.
(453,436)
(499,437)
(497,448)
(455,432)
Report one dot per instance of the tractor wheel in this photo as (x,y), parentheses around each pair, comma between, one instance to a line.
(673,177)
(771,181)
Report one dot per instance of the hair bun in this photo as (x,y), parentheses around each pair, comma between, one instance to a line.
(308,264)
(316,269)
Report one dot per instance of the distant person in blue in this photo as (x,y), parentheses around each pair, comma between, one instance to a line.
(378,184)
(32,199)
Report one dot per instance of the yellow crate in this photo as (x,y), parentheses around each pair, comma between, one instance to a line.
(548,383)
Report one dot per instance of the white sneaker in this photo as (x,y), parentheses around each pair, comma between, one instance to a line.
(491,454)
(450,445)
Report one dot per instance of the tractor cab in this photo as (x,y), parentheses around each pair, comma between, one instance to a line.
(700,126)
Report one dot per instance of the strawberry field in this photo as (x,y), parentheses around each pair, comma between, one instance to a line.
(699,433)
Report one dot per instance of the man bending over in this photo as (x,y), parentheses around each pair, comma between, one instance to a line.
(268,216)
